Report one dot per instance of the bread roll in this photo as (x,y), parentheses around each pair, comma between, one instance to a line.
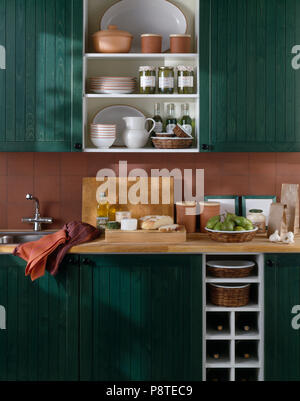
(155,222)
(170,228)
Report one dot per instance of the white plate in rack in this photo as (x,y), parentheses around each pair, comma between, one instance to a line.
(114,115)
(146,16)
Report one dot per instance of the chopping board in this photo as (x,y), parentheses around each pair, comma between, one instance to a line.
(145,236)
(157,191)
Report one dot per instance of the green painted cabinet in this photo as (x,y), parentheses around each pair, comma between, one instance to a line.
(250,96)
(41,87)
(140,317)
(42,323)
(282,293)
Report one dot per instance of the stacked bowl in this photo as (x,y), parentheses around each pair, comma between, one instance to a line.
(103,135)
(113,85)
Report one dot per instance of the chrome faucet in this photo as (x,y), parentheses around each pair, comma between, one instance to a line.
(36,220)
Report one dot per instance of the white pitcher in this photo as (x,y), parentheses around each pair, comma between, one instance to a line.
(136,136)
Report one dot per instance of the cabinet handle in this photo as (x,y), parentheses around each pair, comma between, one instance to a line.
(86,261)
(205,146)
(270,263)
(78,146)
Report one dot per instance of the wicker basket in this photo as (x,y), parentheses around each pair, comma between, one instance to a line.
(230,296)
(165,135)
(180,132)
(234,271)
(232,236)
(172,143)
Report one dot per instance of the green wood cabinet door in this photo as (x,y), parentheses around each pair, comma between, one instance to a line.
(282,293)
(41,85)
(250,96)
(41,337)
(140,317)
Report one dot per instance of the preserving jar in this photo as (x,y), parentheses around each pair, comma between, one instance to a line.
(185,79)
(166,80)
(147,80)
(258,219)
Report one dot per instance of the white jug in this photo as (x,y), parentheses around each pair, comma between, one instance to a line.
(136,136)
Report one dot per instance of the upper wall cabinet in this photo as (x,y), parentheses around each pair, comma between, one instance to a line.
(251,101)
(40,80)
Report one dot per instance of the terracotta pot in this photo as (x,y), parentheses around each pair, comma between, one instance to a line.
(186,215)
(151,43)
(180,43)
(112,40)
(208,210)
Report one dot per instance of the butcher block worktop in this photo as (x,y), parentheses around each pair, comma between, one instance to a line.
(196,243)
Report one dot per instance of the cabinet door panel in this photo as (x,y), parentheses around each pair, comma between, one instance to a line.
(136,318)
(282,341)
(41,337)
(41,87)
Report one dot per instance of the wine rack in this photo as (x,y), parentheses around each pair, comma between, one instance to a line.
(233,336)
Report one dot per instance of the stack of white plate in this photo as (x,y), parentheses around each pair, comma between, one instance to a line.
(103,135)
(113,85)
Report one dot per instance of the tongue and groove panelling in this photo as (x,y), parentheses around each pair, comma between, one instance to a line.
(40,90)
(254,97)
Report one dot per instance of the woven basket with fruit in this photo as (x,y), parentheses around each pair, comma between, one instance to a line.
(230,228)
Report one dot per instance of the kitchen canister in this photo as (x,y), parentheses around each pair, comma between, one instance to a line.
(186,215)
(208,210)
(151,43)
(180,43)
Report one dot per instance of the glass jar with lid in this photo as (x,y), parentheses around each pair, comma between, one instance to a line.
(258,219)
(185,79)
(147,80)
(166,80)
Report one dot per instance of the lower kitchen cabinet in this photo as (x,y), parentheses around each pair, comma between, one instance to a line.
(42,320)
(282,293)
(140,317)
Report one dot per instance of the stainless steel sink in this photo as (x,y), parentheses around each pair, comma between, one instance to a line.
(10,237)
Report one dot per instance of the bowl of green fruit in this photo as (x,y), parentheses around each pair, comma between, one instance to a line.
(230,228)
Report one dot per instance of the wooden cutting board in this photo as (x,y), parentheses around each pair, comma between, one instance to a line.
(160,190)
(145,236)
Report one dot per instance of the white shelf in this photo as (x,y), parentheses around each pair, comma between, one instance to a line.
(142,150)
(97,56)
(233,280)
(138,96)
(251,307)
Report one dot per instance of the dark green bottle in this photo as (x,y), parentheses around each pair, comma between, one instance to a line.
(171,121)
(186,122)
(158,120)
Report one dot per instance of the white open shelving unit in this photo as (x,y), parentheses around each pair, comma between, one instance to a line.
(97,64)
(231,366)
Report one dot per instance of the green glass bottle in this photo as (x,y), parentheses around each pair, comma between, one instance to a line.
(158,120)
(186,122)
(171,120)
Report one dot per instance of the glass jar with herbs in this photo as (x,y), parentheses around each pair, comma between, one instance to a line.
(185,79)
(166,80)
(147,80)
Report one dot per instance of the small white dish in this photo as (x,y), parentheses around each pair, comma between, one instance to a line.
(103,143)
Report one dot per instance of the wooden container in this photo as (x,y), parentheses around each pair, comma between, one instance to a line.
(208,210)
(230,268)
(145,236)
(232,236)
(180,43)
(186,215)
(151,43)
(229,295)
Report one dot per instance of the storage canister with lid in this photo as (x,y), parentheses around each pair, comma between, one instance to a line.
(258,219)
(151,43)
(147,80)
(166,80)
(180,43)
(185,79)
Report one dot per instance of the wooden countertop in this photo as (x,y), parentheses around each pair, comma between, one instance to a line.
(196,243)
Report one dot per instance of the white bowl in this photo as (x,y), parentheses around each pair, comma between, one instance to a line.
(103,143)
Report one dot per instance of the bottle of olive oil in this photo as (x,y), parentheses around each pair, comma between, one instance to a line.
(158,120)
(186,122)
(102,212)
(171,121)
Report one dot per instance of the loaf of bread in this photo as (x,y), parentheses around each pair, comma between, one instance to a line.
(155,222)
(170,228)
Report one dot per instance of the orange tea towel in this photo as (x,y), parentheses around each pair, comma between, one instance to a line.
(37,252)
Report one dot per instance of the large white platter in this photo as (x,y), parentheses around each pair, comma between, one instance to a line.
(145,16)
(114,115)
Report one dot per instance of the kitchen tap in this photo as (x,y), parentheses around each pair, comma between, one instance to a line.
(36,220)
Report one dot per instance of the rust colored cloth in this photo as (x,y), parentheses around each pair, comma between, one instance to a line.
(49,251)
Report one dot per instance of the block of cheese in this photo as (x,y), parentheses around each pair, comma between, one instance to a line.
(155,222)
(169,228)
(129,224)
